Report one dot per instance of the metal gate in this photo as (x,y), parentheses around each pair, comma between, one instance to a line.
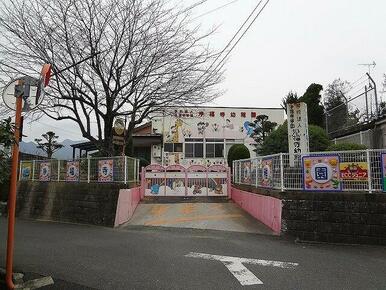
(176,180)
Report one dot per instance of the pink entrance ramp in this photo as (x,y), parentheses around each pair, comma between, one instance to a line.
(127,203)
(266,209)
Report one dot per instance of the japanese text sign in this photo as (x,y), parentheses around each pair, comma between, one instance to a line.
(321,173)
(297,130)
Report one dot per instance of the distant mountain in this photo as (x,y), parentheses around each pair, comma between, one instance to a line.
(62,153)
(30,147)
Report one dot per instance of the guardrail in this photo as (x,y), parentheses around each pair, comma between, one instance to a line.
(359,170)
(121,169)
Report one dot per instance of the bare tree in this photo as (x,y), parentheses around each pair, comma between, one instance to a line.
(141,56)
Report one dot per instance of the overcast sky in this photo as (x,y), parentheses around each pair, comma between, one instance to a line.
(291,45)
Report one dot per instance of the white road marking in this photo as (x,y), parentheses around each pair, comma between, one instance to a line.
(239,271)
(242,273)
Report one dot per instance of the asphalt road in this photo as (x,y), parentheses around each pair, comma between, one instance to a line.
(155,258)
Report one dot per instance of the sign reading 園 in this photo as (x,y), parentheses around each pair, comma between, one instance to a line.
(72,173)
(45,171)
(266,174)
(297,130)
(321,173)
(105,170)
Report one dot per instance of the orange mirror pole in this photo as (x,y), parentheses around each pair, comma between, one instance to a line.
(12,195)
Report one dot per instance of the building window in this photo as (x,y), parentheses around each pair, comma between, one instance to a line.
(194,148)
(173,147)
(214,148)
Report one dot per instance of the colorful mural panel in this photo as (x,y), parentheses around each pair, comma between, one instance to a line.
(246,172)
(72,171)
(45,171)
(266,175)
(353,171)
(383,164)
(106,170)
(26,171)
(321,173)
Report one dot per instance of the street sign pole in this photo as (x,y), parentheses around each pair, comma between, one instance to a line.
(12,189)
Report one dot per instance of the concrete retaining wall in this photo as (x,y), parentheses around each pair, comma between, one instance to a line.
(266,209)
(93,203)
(128,200)
(338,217)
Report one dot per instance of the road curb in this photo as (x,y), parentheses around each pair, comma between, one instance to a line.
(18,280)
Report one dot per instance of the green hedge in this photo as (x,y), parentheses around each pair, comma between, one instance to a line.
(346,147)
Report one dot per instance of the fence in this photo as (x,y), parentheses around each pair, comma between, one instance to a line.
(359,170)
(117,169)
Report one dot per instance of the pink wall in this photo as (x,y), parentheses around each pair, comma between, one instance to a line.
(266,209)
(127,203)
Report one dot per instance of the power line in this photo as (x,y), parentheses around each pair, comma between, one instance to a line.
(215,9)
(222,62)
(233,38)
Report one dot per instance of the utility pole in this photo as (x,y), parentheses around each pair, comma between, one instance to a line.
(22,90)
(367,106)
(19,90)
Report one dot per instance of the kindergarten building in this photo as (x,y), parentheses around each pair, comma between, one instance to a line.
(204,135)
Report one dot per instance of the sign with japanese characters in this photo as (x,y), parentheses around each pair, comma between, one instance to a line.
(297,130)
(321,173)
(45,171)
(266,173)
(26,170)
(105,170)
(383,164)
(72,172)
(353,171)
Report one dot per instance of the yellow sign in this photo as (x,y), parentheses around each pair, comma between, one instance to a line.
(119,126)
(354,171)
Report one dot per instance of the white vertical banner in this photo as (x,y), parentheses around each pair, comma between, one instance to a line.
(298,142)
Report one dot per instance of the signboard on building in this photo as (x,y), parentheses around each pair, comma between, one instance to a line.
(298,142)
(105,170)
(353,171)
(321,173)
(72,172)
(45,171)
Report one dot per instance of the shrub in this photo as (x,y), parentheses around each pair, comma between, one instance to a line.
(237,152)
(346,147)
(277,141)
